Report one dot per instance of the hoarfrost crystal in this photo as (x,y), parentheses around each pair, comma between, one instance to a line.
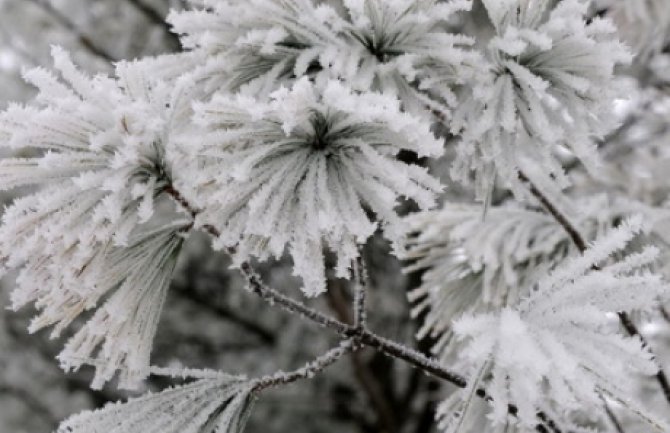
(395,46)
(551,85)
(558,345)
(303,169)
(94,160)
(214,402)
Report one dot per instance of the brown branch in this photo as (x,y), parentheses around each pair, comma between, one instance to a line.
(152,15)
(581,245)
(572,231)
(665,313)
(630,327)
(66,22)
(364,375)
(308,370)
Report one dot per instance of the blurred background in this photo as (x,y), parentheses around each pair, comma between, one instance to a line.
(210,321)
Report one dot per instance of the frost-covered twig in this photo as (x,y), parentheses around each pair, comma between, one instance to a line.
(572,231)
(308,370)
(358,335)
(360,289)
(362,336)
(612,416)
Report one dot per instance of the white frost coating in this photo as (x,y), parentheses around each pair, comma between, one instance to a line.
(218,403)
(120,333)
(551,85)
(557,348)
(301,170)
(98,146)
(472,265)
(395,46)
(287,127)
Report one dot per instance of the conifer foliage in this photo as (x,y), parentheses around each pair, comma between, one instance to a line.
(306,127)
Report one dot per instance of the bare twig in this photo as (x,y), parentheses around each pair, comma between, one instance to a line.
(152,15)
(368,379)
(580,243)
(665,313)
(630,327)
(66,22)
(572,231)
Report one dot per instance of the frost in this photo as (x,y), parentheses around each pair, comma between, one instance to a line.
(121,331)
(98,148)
(302,169)
(558,346)
(306,127)
(395,46)
(477,266)
(217,403)
(551,85)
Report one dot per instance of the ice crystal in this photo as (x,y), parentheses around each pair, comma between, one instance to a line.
(92,159)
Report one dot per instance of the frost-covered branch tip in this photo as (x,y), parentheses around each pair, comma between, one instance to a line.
(551,85)
(301,170)
(559,349)
(95,163)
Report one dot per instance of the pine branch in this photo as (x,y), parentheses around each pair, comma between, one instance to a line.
(362,336)
(368,378)
(359,335)
(581,245)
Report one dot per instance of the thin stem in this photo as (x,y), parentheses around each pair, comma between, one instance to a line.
(612,416)
(360,287)
(632,330)
(359,335)
(665,313)
(66,22)
(308,370)
(158,19)
(580,243)
(572,231)
(362,336)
